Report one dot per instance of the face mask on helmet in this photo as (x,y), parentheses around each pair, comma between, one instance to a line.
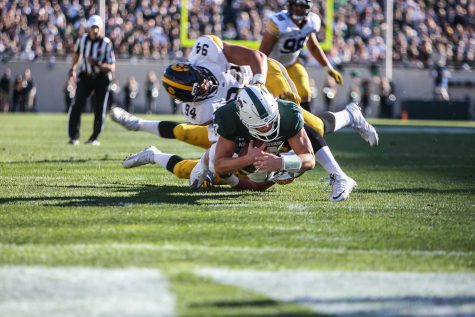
(299,17)
(188,83)
(259,112)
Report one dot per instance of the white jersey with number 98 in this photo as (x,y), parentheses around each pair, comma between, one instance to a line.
(291,38)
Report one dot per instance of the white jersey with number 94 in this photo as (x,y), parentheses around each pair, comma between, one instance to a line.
(208,53)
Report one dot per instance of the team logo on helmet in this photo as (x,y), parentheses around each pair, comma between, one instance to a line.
(259,113)
(171,91)
(180,67)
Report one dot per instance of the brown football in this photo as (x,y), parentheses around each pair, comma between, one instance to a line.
(250,169)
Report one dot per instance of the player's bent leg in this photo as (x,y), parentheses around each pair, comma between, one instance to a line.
(342,184)
(278,82)
(182,169)
(125,119)
(199,172)
(192,134)
(314,122)
(146,156)
(359,123)
(299,77)
(350,116)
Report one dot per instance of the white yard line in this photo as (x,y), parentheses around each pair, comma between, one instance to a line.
(360,293)
(417,129)
(253,249)
(78,292)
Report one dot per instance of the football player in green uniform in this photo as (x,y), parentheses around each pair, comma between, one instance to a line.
(287,147)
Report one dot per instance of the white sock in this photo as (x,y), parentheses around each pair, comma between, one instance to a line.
(211,155)
(162,158)
(325,158)
(149,126)
(342,119)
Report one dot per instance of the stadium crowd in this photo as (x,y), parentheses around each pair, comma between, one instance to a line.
(426,32)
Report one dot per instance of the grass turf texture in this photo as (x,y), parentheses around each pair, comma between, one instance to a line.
(414,210)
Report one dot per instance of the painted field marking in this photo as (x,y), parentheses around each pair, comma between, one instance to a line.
(257,250)
(77,292)
(360,293)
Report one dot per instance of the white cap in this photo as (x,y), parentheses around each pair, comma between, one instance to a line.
(95,20)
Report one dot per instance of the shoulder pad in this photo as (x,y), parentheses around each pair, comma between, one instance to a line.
(206,48)
(315,21)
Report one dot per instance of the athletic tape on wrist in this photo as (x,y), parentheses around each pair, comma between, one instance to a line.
(258,79)
(291,163)
(232,180)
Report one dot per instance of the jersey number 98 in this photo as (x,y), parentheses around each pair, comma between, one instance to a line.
(292,45)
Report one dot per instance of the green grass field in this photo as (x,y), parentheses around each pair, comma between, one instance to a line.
(65,206)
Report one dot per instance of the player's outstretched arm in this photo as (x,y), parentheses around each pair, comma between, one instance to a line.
(303,159)
(225,163)
(241,55)
(268,41)
(314,47)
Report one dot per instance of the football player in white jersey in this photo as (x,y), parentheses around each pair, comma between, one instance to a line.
(286,34)
(207,82)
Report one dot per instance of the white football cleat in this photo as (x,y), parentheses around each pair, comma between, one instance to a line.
(342,187)
(74,142)
(141,158)
(365,130)
(125,119)
(198,174)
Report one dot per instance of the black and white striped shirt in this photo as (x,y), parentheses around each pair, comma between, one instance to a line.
(99,49)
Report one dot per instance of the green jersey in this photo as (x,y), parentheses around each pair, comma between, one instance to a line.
(228,125)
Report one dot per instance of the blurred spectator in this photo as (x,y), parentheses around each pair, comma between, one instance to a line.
(365,95)
(18,100)
(131,90)
(387,98)
(355,89)
(29,91)
(440,72)
(114,92)
(5,84)
(313,93)
(330,89)
(151,92)
(151,29)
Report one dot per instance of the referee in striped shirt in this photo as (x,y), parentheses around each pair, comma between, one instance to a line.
(93,65)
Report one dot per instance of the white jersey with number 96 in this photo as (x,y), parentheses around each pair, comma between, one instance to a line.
(208,53)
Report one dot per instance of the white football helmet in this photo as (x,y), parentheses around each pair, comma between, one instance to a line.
(259,112)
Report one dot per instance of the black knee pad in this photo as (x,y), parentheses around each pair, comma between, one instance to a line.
(165,128)
(316,139)
(305,105)
(328,122)
(174,160)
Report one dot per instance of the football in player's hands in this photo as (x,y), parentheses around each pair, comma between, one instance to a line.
(244,151)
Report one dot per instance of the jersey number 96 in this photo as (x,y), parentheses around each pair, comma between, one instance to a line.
(203,48)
